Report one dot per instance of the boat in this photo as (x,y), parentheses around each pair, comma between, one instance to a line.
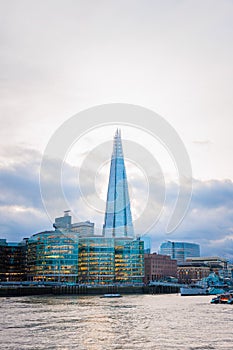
(193,290)
(226,298)
(215,300)
(211,285)
(111,296)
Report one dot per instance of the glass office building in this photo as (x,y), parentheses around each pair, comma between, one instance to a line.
(56,256)
(109,260)
(129,261)
(96,260)
(52,256)
(12,261)
(180,250)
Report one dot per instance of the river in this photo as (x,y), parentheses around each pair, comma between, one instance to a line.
(131,322)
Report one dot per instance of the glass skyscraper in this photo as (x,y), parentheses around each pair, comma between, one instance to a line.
(118,219)
(179,250)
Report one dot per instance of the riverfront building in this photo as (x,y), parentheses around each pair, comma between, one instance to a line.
(196,268)
(180,251)
(215,263)
(159,267)
(12,261)
(52,256)
(192,272)
(109,260)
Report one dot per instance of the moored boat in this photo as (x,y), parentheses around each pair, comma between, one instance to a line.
(111,295)
(193,290)
(211,285)
(226,298)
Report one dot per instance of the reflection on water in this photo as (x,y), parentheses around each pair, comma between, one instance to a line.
(131,322)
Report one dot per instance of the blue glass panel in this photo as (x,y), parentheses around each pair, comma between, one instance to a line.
(118,219)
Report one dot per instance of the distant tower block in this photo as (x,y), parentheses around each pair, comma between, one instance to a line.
(118,219)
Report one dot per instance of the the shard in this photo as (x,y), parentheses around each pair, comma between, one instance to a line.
(118,219)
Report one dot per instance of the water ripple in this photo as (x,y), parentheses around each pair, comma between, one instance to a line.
(133,322)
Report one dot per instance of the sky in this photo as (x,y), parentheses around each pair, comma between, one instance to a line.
(58,58)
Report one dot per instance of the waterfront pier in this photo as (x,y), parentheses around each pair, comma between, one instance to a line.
(25,290)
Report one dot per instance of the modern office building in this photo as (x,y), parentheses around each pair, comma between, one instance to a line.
(52,256)
(129,260)
(83,229)
(147,244)
(180,251)
(159,267)
(12,261)
(96,260)
(109,260)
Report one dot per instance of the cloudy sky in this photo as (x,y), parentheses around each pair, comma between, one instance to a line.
(174,57)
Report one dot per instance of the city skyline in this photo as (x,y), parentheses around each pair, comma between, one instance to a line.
(156,232)
(53,71)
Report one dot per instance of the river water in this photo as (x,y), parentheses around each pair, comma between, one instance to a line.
(131,322)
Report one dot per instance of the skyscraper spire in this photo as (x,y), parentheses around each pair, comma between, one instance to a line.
(118,219)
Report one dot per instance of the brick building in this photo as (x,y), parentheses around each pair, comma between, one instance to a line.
(196,268)
(159,267)
(190,273)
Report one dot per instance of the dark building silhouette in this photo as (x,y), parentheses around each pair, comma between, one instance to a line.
(12,261)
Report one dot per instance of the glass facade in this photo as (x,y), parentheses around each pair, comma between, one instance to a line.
(129,261)
(12,261)
(180,250)
(118,219)
(55,256)
(147,244)
(96,260)
(52,256)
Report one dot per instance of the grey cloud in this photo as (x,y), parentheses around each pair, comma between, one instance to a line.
(19,179)
(212,193)
(21,208)
(209,220)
